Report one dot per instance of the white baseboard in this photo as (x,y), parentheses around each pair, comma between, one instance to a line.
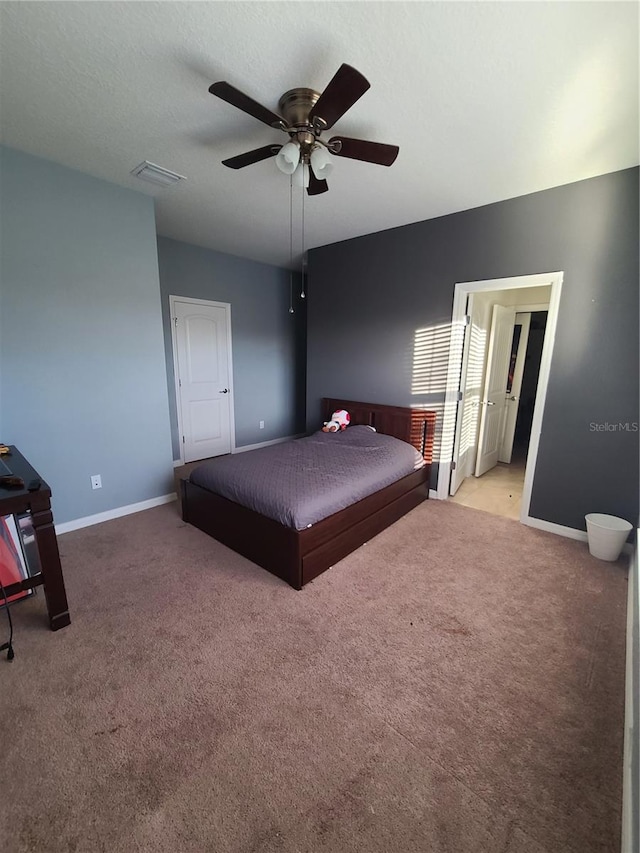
(267,443)
(567,532)
(118,512)
(558,529)
(178,462)
(631,750)
(630,687)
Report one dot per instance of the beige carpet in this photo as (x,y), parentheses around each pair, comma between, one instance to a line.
(455,685)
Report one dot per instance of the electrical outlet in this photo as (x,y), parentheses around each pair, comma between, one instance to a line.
(96,481)
(261,424)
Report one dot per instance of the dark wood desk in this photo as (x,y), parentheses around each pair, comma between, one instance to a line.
(38,503)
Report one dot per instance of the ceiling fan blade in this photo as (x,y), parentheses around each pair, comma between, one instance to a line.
(250,157)
(341,93)
(243,102)
(316,185)
(360,149)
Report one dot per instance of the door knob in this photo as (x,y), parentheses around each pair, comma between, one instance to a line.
(489,403)
(225,391)
(515,399)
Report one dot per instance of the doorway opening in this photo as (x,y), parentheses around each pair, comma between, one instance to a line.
(499,488)
(499,362)
(518,435)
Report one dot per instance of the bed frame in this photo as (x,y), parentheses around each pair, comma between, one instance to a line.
(298,556)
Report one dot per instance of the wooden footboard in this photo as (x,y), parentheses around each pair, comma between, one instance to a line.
(298,556)
(382,509)
(262,540)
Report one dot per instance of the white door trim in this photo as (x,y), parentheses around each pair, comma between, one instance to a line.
(461,291)
(174,347)
(537,306)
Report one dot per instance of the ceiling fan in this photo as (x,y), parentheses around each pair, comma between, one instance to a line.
(305,115)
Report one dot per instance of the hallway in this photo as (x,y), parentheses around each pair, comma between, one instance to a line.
(499,491)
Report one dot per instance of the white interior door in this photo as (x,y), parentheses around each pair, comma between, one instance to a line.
(202,346)
(493,396)
(470,390)
(514,385)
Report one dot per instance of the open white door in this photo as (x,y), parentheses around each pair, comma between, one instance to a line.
(514,383)
(493,396)
(202,348)
(468,407)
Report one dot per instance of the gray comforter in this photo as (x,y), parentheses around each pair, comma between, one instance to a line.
(301,482)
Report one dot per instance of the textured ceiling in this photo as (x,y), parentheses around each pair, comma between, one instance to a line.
(486,100)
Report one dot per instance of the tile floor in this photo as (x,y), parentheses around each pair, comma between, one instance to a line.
(499,491)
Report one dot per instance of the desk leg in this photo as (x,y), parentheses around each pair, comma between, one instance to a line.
(53,581)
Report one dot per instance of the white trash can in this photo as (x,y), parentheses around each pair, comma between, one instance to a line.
(606,535)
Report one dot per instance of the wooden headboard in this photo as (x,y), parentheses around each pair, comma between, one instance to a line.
(415,426)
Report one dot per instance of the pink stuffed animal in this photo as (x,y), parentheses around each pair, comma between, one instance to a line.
(339,421)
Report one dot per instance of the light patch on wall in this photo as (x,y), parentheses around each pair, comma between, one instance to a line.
(431,359)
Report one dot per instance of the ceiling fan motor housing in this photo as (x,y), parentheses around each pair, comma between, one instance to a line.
(295,106)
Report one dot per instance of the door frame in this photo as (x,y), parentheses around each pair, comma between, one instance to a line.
(209,302)
(458,328)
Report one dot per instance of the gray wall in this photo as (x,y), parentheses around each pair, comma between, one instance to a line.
(368,296)
(268,343)
(83,387)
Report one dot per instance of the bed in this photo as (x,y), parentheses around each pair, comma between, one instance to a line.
(295,555)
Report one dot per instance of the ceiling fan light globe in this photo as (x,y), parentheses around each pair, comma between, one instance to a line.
(321,163)
(288,157)
(301,176)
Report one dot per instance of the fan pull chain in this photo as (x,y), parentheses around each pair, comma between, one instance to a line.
(290,244)
(302,293)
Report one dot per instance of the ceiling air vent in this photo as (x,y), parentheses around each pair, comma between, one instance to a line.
(156,174)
